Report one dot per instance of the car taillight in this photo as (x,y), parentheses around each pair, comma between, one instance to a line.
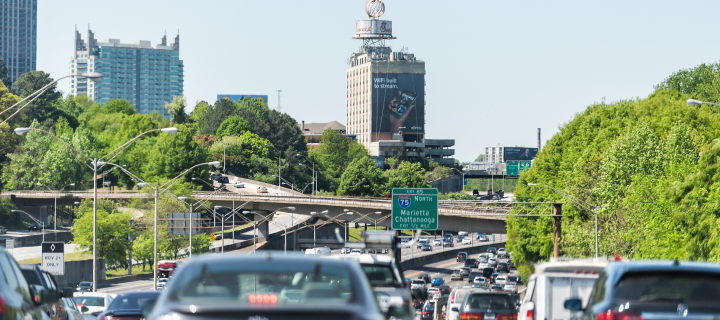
(3,305)
(610,315)
(530,314)
(506,316)
(452,299)
(425,313)
(468,315)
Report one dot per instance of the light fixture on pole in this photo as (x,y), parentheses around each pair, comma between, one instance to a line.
(694,102)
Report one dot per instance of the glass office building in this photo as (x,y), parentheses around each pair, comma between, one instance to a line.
(146,76)
(18,36)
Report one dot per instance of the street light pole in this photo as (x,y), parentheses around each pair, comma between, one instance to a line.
(95,167)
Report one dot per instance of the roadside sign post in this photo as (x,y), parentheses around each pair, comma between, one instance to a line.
(414,208)
(53,257)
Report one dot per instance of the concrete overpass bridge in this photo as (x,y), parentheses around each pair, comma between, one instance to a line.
(471,216)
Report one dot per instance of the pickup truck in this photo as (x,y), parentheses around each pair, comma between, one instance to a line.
(419,284)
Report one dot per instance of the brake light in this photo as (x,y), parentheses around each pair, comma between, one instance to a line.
(530,314)
(610,315)
(506,316)
(452,299)
(262,298)
(425,313)
(79,306)
(468,315)
(3,305)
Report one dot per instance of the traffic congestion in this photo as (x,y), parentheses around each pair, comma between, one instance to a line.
(319,284)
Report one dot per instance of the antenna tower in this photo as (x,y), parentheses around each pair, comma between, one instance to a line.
(279,92)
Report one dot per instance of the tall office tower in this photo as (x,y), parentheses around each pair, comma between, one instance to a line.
(18,36)
(385,89)
(146,76)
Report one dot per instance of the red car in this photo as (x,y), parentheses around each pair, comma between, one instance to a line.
(128,306)
(166,268)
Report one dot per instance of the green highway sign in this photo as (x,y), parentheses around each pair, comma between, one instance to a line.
(511,168)
(524,165)
(414,208)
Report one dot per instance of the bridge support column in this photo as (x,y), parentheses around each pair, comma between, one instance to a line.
(263,231)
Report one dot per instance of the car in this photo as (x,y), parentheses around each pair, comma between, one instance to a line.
(35,227)
(501,280)
(262,190)
(467,241)
(239,184)
(501,251)
(502,267)
(653,289)
(471,263)
(267,285)
(493,277)
(477,285)
(345,250)
(84,286)
(426,247)
(428,310)
(510,287)
(167,267)
(465,271)
(72,312)
(456,275)
(487,272)
(473,275)
(515,279)
(3,230)
(357,251)
(444,289)
(425,277)
(18,299)
(448,243)
(419,284)
(492,250)
(455,300)
(35,275)
(487,305)
(215,176)
(224,179)
(480,280)
(496,288)
(161,283)
(421,242)
(459,239)
(437,242)
(510,264)
(95,302)
(433,292)
(129,305)
(462,233)
(437,281)
(461,256)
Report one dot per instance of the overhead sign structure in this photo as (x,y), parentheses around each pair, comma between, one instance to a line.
(53,257)
(414,208)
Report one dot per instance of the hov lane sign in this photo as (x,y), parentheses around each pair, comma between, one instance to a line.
(53,257)
(414,208)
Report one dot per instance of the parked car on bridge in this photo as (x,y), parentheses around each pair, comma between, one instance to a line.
(35,227)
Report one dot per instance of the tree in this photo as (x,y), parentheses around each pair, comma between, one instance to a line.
(239,150)
(221,110)
(333,157)
(407,175)
(480,158)
(177,109)
(197,116)
(361,178)
(119,106)
(10,219)
(232,126)
(32,81)
(113,229)
(4,77)
(173,154)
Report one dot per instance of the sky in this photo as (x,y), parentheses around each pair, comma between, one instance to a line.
(495,70)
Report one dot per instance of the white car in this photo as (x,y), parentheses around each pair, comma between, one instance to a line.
(480,280)
(462,233)
(437,242)
(501,251)
(510,287)
(161,283)
(467,241)
(433,292)
(421,242)
(239,184)
(418,284)
(501,280)
(96,302)
(345,250)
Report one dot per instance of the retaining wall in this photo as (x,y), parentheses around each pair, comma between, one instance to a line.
(413,263)
(36,240)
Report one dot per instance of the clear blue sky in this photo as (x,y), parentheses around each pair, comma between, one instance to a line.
(496,70)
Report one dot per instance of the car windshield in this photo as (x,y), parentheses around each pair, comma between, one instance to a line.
(430,306)
(85,284)
(418,282)
(489,302)
(90,301)
(475,274)
(132,301)
(254,284)
(380,276)
(659,291)
(513,279)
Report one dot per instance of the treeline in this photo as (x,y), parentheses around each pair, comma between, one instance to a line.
(649,165)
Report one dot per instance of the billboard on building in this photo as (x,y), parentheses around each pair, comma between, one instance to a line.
(398,101)
(373,28)
(238,97)
(519,153)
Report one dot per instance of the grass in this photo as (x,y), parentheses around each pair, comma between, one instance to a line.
(75,256)
(123,272)
(236,228)
(355,236)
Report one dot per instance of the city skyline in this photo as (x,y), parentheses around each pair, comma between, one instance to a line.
(489,80)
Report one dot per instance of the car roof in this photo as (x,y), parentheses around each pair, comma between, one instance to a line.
(93,294)
(364,258)
(655,265)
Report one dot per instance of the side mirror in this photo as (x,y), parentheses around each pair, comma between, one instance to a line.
(455,309)
(573,304)
(84,309)
(147,308)
(38,294)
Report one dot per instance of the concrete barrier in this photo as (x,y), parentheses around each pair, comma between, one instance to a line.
(36,240)
(122,279)
(77,271)
(413,263)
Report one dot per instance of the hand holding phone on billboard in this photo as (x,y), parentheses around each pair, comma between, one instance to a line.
(397,122)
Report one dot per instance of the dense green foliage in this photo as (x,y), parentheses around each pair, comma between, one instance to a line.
(4,74)
(650,167)
(232,126)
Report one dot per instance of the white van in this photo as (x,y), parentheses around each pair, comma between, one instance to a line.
(324,251)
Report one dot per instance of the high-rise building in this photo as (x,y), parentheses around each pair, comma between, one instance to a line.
(494,154)
(18,36)
(146,76)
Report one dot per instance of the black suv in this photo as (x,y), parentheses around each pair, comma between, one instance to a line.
(21,300)
(215,176)
(35,227)
(662,289)
(502,267)
(37,276)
